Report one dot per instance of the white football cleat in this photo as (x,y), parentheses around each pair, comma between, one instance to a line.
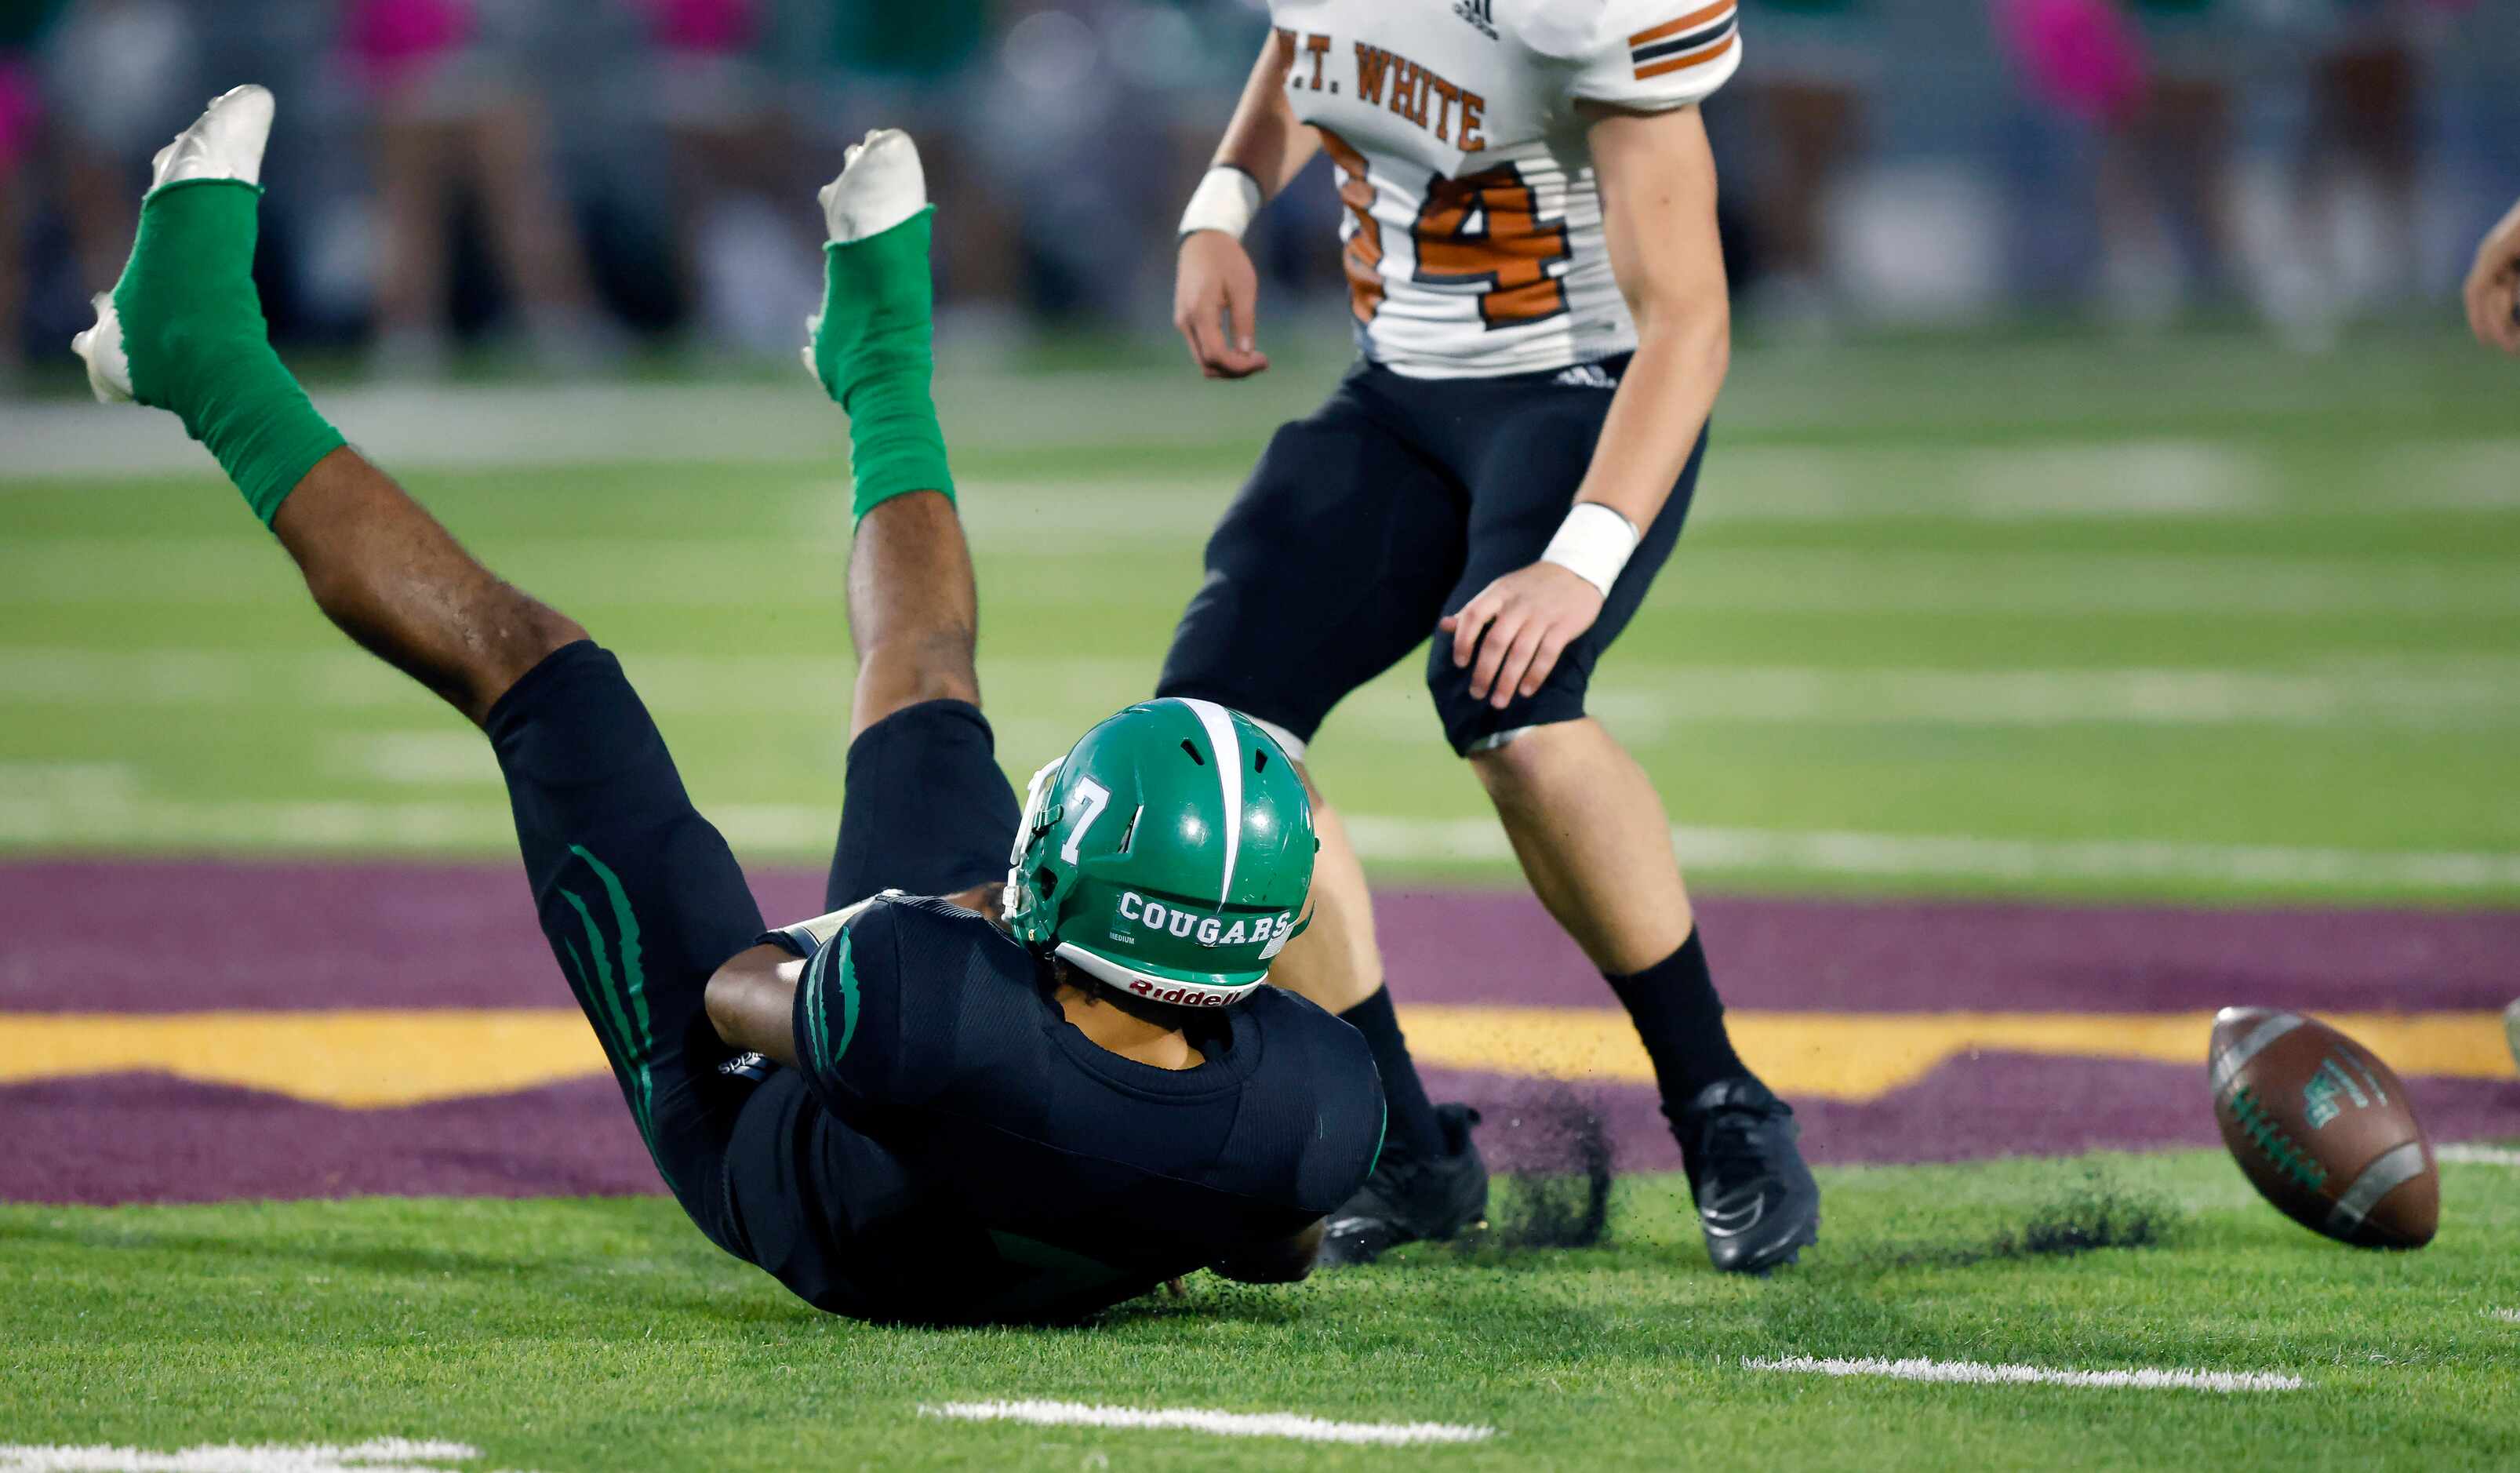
(226,142)
(99,347)
(881,185)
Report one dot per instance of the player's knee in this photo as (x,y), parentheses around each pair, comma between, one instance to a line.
(1509,764)
(542,631)
(521,636)
(1517,764)
(933,665)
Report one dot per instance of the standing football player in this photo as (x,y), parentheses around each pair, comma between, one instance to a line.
(981,1101)
(1541,308)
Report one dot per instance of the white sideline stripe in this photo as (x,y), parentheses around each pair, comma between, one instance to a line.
(1980,1374)
(1643,702)
(128,816)
(2478,1155)
(1222,1423)
(416,759)
(384,1455)
(511,426)
(508,425)
(662,572)
(2512,1315)
(1459,840)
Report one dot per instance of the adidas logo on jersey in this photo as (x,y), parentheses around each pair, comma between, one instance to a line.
(1481,14)
(1586,375)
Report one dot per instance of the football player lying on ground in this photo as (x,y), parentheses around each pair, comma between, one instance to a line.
(977,1101)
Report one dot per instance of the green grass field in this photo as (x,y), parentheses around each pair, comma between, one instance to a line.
(2188,621)
(604,1334)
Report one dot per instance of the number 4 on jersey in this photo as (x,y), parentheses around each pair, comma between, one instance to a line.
(1482,231)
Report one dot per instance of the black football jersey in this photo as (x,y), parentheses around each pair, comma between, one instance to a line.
(951,1149)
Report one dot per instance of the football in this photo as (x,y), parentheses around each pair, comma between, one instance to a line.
(2323,1129)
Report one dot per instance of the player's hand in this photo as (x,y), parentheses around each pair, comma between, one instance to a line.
(1216,295)
(1529,618)
(2494,286)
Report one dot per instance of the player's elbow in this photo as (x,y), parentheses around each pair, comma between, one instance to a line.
(1696,334)
(718,998)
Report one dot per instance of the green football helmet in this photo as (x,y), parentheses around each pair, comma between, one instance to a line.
(1168,854)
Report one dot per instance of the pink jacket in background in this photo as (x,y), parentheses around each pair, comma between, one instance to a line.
(19,115)
(2083,56)
(389,40)
(705,25)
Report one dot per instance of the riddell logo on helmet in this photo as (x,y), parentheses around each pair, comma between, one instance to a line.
(1179,997)
(1210,931)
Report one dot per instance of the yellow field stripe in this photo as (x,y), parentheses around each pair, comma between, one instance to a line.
(1858,1056)
(363,1059)
(374,1060)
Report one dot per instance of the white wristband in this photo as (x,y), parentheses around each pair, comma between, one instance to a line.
(1594,542)
(1226,200)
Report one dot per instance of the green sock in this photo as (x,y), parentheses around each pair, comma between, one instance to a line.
(192,328)
(875,354)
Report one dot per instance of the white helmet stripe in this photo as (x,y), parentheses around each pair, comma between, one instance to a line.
(1228,747)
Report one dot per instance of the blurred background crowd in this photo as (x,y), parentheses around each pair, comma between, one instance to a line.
(580,181)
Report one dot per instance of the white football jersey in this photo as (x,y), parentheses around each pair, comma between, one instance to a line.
(1473,235)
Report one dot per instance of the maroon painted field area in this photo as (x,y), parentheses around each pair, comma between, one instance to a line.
(150,937)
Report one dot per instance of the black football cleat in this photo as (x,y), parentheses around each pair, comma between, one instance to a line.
(1413,1197)
(1756,1201)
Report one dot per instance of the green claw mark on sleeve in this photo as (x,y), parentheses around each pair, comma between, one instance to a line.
(623,1000)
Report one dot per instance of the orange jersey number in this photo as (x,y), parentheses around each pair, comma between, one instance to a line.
(1484,230)
(1365,247)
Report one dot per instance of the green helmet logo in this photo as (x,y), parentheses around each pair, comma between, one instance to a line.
(1168,854)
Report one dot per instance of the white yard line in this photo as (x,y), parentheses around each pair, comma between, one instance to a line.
(1974,857)
(384,1455)
(1069,558)
(770,421)
(2478,1155)
(1286,1424)
(518,425)
(2512,1317)
(128,816)
(414,759)
(69,781)
(1978,1373)
(1640,700)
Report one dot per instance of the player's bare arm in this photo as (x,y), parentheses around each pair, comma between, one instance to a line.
(753,1002)
(1657,179)
(2494,286)
(1216,292)
(752,998)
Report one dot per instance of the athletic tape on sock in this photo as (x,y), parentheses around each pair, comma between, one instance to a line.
(873,350)
(194,330)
